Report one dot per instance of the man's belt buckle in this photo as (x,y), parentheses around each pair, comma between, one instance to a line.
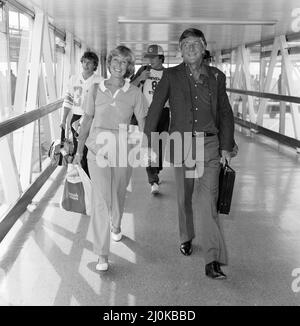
(198,134)
(202,134)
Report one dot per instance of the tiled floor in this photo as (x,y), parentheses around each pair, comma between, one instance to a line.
(47,257)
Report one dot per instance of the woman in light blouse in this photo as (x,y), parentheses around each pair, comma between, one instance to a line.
(109,107)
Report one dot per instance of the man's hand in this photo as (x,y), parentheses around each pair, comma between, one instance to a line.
(62,125)
(225,156)
(235,150)
(144,75)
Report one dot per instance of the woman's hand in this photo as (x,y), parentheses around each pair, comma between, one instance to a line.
(77,159)
(148,156)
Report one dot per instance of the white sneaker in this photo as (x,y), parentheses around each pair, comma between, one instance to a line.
(154,189)
(116,236)
(102,266)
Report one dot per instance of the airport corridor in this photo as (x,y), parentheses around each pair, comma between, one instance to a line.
(47,257)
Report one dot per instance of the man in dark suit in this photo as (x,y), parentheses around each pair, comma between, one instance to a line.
(201,114)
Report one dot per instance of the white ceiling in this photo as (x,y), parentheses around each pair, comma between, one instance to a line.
(95,22)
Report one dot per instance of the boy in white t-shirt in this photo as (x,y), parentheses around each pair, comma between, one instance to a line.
(77,89)
(147,77)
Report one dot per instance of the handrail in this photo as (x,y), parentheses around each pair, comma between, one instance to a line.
(292,142)
(10,125)
(272,96)
(6,127)
(10,218)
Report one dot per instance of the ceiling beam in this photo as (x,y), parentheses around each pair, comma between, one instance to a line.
(157,42)
(180,20)
(150,41)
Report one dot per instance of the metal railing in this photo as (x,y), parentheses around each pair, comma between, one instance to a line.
(10,125)
(272,96)
(7,127)
(293,142)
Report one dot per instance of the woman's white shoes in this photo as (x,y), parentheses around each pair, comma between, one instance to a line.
(116,236)
(102,267)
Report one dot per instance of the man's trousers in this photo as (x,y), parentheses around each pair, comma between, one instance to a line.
(212,238)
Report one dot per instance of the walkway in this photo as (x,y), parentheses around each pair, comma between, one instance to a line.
(47,257)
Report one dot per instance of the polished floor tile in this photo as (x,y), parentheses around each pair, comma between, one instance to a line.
(47,258)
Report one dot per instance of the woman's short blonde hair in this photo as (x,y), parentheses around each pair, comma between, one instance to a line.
(127,54)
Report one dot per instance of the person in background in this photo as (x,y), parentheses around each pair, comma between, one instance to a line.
(207,58)
(109,107)
(74,97)
(200,108)
(147,78)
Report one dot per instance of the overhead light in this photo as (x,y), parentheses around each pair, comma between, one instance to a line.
(179,20)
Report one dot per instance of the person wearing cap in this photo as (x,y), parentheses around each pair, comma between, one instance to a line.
(202,115)
(147,77)
(207,57)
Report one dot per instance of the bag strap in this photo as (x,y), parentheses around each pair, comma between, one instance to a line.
(62,137)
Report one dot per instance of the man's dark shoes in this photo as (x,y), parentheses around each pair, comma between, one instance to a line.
(213,270)
(186,248)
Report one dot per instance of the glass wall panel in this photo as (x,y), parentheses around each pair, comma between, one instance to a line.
(19,33)
(233,80)
(270,121)
(5,98)
(278,114)
(2,197)
(59,65)
(287,128)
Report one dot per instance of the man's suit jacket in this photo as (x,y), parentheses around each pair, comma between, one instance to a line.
(174,86)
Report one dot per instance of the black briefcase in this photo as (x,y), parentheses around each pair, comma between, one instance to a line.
(226,184)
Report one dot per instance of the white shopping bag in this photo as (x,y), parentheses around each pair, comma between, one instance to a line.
(77,191)
(87,186)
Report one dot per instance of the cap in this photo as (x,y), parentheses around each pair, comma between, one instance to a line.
(154,50)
